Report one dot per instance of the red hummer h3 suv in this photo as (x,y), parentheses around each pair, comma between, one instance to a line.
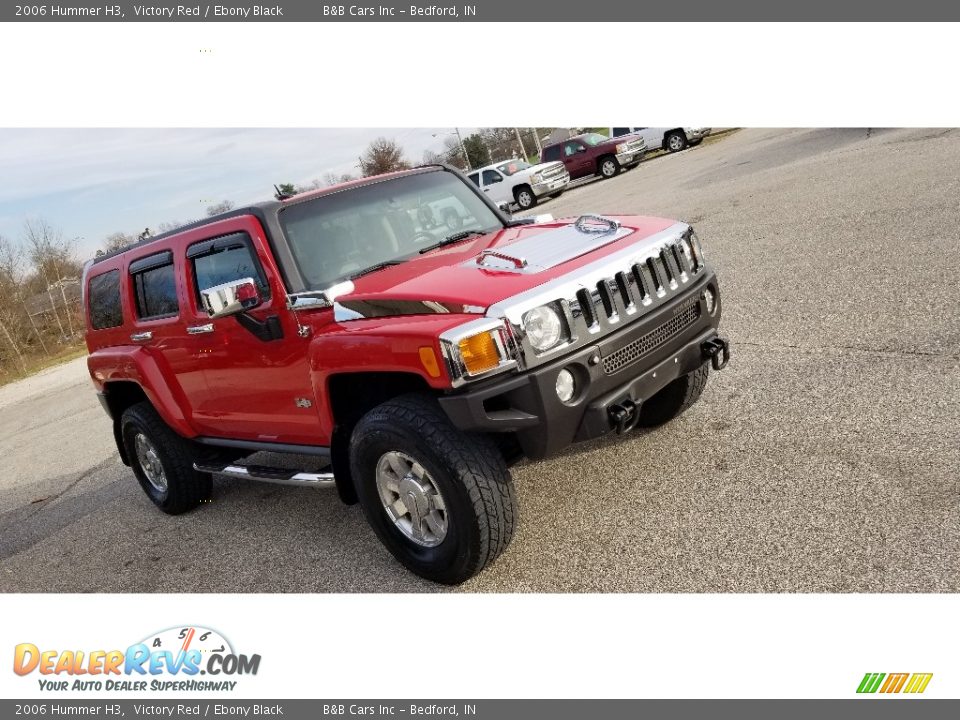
(415,364)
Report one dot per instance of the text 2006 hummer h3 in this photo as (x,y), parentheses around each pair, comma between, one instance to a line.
(349,325)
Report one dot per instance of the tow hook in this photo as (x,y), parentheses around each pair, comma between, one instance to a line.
(718,350)
(624,415)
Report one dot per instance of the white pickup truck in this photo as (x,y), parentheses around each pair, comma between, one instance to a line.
(670,139)
(516,181)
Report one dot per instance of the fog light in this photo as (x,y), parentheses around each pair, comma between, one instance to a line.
(708,300)
(566,385)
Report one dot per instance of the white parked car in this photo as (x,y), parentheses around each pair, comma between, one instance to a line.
(516,181)
(670,139)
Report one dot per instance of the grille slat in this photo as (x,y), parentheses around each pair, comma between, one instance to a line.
(634,351)
(586,307)
(623,284)
(671,275)
(606,298)
(641,283)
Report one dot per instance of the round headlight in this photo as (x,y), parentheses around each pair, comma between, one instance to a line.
(543,327)
(566,385)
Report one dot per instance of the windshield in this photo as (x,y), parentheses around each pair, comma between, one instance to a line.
(513,166)
(594,139)
(338,236)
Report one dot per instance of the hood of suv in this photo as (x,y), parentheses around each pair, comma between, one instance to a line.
(451,280)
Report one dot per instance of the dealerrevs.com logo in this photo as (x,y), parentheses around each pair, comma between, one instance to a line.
(178,659)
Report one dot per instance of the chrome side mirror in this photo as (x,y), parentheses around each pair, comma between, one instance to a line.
(230,298)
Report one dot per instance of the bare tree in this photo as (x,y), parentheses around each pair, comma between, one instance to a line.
(52,257)
(117,241)
(168,226)
(381,156)
(10,262)
(220,207)
(332,178)
(11,283)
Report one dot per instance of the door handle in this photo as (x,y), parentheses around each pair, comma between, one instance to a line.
(142,336)
(200,329)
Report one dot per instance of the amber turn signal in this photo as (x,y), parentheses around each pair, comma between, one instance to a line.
(429,359)
(479,353)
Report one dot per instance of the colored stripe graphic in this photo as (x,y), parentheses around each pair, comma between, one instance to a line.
(894,682)
(918,683)
(870,682)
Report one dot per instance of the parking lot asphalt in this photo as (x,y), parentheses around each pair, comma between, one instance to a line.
(825,458)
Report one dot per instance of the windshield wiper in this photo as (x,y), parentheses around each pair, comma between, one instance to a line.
(374,268)
(451,239)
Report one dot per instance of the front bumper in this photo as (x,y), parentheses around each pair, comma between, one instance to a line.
(527,404)
(695,134)
(552,186)
(629,158)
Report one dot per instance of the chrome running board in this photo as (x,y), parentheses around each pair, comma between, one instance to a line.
(280,476)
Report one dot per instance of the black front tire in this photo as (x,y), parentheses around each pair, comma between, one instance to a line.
(185,488)
(608,167)
(674,399)
(467,469)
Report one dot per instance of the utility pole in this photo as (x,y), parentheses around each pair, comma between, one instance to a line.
(53,305)
(66,309)
(523,150)
(463,149)
(536,139)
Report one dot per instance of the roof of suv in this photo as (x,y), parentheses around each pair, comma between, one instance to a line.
(261,209)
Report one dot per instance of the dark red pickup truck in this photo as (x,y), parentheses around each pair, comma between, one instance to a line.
(596,154)
(413,363)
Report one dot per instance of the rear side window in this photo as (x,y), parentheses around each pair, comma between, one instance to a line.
(551,153)
(105,309)
(617,132)
(225,260)
(474,178)
(155,286)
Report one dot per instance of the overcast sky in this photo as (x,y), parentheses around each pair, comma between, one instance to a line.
(93,182)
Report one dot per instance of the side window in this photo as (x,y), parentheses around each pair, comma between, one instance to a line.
(224,260)
(474,178)
(571,148)
(104,291)
(551,154)
(155,286)
(617,132)
(491,176)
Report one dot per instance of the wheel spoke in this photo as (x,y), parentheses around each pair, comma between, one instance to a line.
(435,522)
(399,467)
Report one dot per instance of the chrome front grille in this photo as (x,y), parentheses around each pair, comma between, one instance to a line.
(644,283)
(630,353)
(635,145)
(553,171)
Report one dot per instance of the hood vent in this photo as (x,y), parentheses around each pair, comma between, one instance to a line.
(553,247)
